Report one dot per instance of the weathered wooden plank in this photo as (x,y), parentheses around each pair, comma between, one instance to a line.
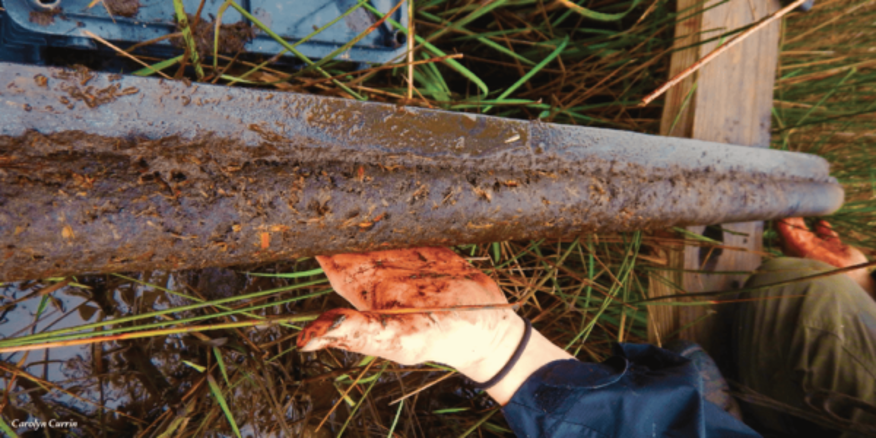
(678,109)
(677,121)
(731,104)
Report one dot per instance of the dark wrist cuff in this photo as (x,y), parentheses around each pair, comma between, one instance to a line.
(527,333)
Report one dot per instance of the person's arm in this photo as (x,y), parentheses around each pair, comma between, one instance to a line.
(537,353)
(429,304)
(640,391)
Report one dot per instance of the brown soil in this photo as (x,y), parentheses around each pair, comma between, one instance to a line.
(123,8)
(232,37)
(44,17)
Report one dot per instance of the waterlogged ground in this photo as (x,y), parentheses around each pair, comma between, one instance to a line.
(173,385)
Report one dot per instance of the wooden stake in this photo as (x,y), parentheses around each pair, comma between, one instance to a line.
(719,50)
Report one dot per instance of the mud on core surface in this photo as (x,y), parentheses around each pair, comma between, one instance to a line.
(74,203)
(164,175)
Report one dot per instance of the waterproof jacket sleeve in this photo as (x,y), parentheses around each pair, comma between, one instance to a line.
(642,391)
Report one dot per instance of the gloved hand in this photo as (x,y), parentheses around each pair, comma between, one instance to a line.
(478,343)
(823,245)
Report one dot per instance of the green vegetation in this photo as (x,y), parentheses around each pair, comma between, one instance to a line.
(528,59)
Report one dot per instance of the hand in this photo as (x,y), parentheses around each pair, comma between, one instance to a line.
(424,278)
(382,284)
(823,245)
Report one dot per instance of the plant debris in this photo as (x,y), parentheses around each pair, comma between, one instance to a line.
(232,37)
(44,17)
(123,8)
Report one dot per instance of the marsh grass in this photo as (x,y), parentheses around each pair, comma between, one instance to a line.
(826,104)
(528,59)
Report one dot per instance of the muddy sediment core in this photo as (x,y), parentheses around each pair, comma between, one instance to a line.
(163,175)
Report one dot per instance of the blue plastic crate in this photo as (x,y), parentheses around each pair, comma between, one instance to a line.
(27,27)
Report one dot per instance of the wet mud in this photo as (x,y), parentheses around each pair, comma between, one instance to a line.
(123,8)
(138,382)
(44,17)
(232,37)
(75,203)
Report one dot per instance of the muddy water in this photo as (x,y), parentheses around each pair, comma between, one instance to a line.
(137,387)
(141,378)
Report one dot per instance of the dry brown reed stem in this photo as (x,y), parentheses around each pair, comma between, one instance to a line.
(829,22)
(719,50)
(16,372)
(151,333)
(363,73)
(123,53)
(761,287)
(44,291)
(153,41)
(423,388)
(344,395)
(818,75)
(443,309)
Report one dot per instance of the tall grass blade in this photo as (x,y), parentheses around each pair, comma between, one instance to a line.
(291,48)
(192,48)
(547,60)
(217,394)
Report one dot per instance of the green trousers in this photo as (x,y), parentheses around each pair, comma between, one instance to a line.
(810,346)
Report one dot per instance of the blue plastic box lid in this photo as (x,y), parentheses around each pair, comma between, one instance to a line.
(135,21)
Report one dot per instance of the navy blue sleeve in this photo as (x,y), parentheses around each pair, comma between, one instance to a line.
(642,391)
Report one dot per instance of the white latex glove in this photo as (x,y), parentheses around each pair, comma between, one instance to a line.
(476,342)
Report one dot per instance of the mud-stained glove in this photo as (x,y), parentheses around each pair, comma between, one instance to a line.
(824,245)
(478,343)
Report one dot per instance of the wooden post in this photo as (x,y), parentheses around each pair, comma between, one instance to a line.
(728,101)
